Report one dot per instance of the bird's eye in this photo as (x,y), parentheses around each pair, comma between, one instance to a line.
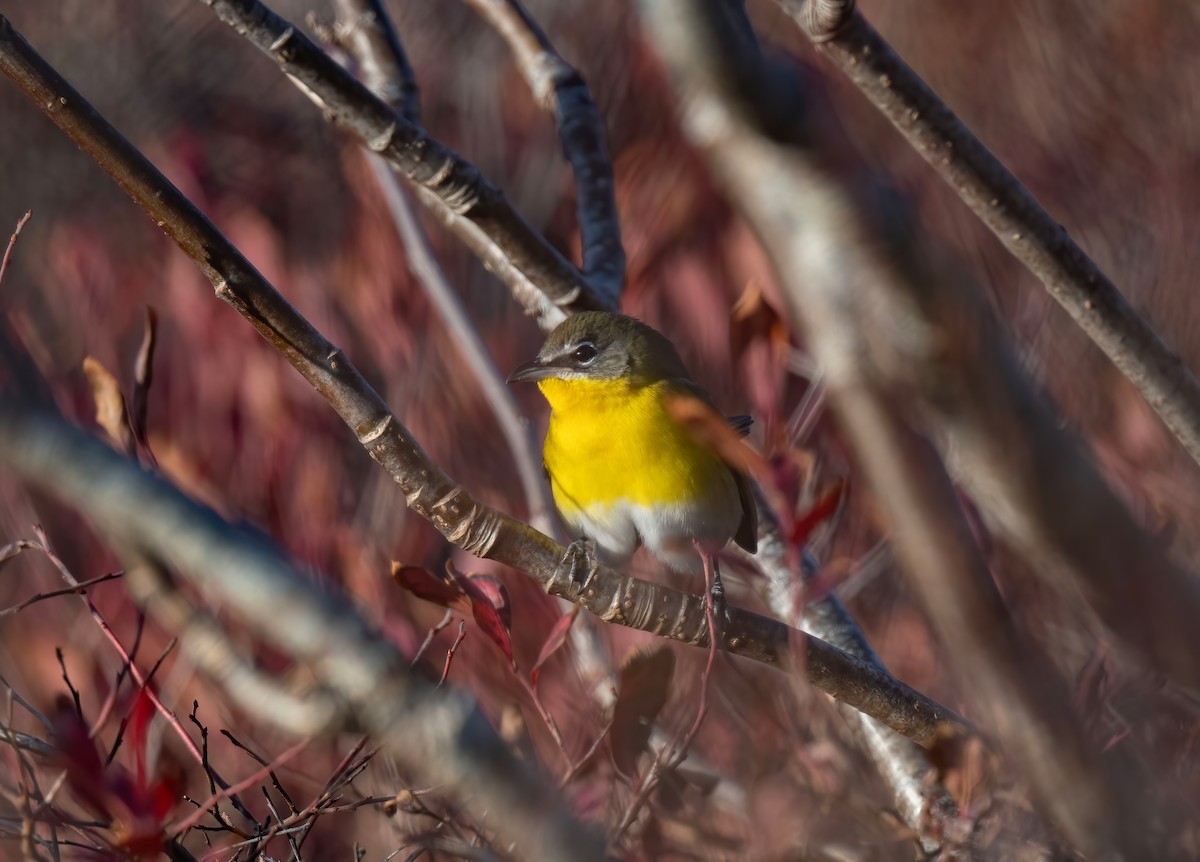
(584,353)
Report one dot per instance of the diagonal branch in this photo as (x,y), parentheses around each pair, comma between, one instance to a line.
(560,90)
(847,39)
(429,492)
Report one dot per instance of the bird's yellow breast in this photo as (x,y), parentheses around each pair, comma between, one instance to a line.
(610,441)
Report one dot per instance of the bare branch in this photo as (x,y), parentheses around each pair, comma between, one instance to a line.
(422,160)
(27,742)
(465,522)
(367,33)
(560,90)
(1032,235)
(741,112)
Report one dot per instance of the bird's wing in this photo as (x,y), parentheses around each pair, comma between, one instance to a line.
(747,531)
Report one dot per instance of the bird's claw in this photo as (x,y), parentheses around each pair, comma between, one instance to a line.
(579,562)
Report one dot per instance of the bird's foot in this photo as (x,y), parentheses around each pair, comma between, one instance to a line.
(579,562)
(716,593)
(714,599)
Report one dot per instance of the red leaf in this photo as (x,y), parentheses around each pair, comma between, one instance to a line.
(643,681)
(821,509)
(491,610)
(441,589)
(481,596)
(139,724)
(554,642)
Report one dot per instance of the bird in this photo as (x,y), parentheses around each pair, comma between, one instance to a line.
(623,472)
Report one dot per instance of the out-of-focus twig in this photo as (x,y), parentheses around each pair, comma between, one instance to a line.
(1043,496)
(27,742)
(741,112)
(422,160)
(847,39)
(440,736)
(561,91)
(208,647)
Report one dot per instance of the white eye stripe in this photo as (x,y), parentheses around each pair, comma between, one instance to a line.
(585,353)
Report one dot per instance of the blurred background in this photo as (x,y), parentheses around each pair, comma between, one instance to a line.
(1094,106)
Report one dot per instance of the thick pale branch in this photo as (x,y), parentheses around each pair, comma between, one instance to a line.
(559,89)
(421,159)
(1031,234)
(437,734)
(840,287)
(468,524)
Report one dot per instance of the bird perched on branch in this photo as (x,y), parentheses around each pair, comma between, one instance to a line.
(623,469)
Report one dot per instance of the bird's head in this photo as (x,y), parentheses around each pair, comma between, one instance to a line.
(599,346)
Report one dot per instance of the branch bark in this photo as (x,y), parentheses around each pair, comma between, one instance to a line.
(841,33)
(428,491)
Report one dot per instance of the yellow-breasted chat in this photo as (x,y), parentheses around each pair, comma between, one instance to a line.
(622,470)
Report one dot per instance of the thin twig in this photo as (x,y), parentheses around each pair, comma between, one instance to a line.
(171,718)
(12,242)
(459,638)
(82,588)
(192,819)
(319,629)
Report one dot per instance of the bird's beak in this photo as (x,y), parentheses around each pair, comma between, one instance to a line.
(531,371)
